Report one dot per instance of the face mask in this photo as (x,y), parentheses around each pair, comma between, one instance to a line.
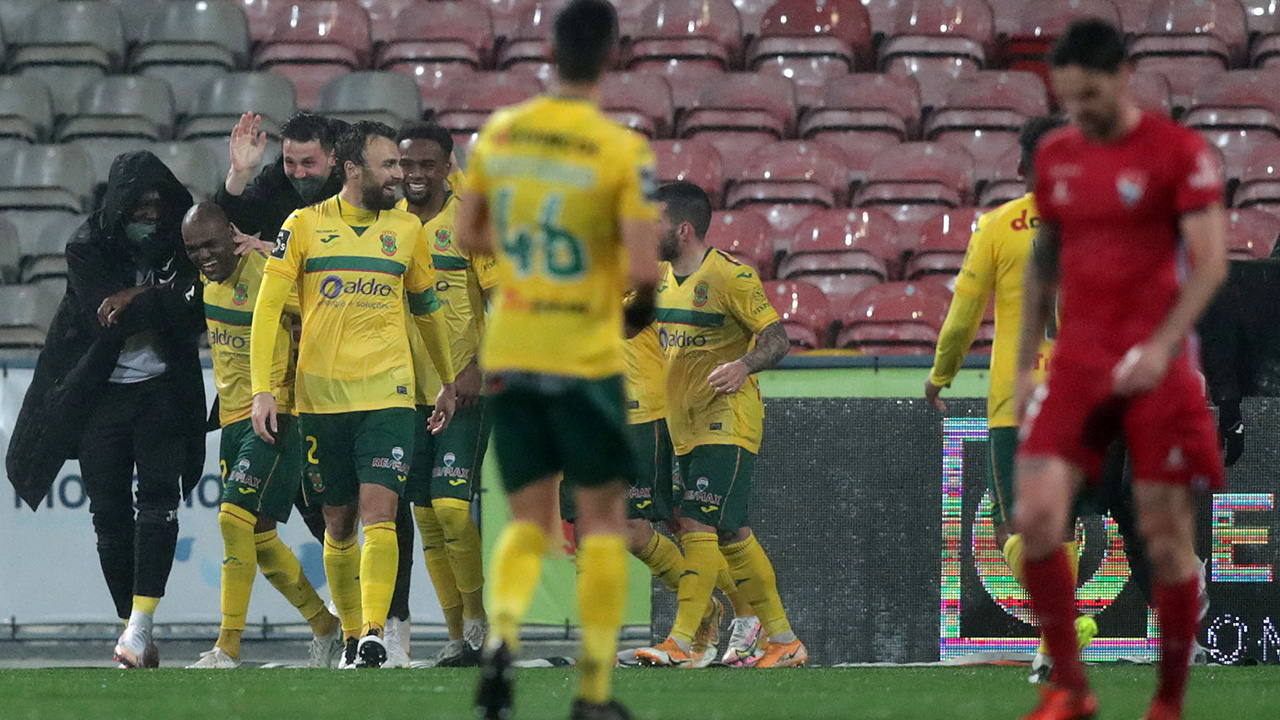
(138,233)
(308,188)
(146,249)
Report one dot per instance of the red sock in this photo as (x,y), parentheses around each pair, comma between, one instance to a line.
(1178,607)
(1054,598)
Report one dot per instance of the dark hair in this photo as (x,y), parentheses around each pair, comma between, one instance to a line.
(687,203)
(306,126)
(351,144)
(1090,44)
(585,33)
(426,131)
(1033,131)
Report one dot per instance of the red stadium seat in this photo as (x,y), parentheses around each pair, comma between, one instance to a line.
(692,161)
(705,31)
(529,38)
(804,312)
(866,103)
(944,240)
(812,42)
(895,319)
(1151,91)
(382,17)
(934,76)
(1237,112)
(329,32)
(752,13)
(1260,181)
(989,101)
(843,242)
(440,32)
(1211,28)
(992,153)
(433,79)
(507,14)
(308,79)
(1006,183)
(740,108)
(746,235)
(859,149)
(918,173)
(261,15)
(1182,74)
(471,98)
(1261,16)
(793,171)
(935,33)
(1032,29)
(1251,233)
(883,15)
(1133,15)
(640,101)
(686,81)
(841,288)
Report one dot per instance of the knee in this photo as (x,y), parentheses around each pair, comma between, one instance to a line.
(453,520)
(160,514)
(733,537)
(689,525)
(639,533)
(1040,526)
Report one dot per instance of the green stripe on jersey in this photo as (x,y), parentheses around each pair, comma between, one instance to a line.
(423,303)
(228,316)
(354,263)
(449,262)
(690,317)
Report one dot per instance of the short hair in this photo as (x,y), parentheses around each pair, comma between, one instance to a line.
(1090,44)
(585,33)
(689,203)
(1033,131)
(305,127)
(426,131)
(351,145)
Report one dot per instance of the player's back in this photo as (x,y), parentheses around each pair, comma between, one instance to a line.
(558,176)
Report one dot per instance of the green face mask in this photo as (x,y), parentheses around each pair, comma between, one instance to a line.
(138,233)
(309,188)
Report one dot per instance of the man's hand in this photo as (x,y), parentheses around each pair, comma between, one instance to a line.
(1024,390)
(729,378)
(246,244)
(931,393)
(264,416)
(468,385)
(247,148)
(446,404)
(110,309)
(1141,369)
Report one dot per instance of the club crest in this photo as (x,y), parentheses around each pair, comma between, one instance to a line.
(1130,184)
(388,244)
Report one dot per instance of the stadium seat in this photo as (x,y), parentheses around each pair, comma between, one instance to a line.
(122,107)
(928,32)
(1237,112)
(261,15)
(1251,233)
(933,78)
(1133,15)
(918,174)
(843,242)
(1151,91)
(630,16)
(26,109)
(707,32)
(991,153)
(812,42)
(387,97)
(193,164)
(686,81)
(382,17)
(866,103)
(739,108)
(1260,182)
(989,102)
(641,101)
(1209,28)
(102,151)
(222,100)
(432,78)
(14,14)
(692,161)
(804,312)
(188,42)
(793,171)
(46,177)
(1261,16)
(1006,182)
(530,41)
(944,240)
(25,315)
(507,15)
(313,41)
(69,45)
(895,319)
(440,32)
(470,99)
(1030,30)
(10,251)
(51,242)
(746,235)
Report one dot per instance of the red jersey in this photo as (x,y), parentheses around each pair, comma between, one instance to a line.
(1117,207)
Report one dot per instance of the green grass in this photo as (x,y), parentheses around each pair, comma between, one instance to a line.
(814,694)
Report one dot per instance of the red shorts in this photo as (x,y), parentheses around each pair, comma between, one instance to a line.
(1169,432)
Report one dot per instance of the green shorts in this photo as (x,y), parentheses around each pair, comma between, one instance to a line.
(262,478)
(447,465)
(717,485)
(1002,447)
(548,424)
(651,496)
(355,448)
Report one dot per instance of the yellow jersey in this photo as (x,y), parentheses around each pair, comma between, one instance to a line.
(646,377)
(228,310)
(706,320)
(559,177)
(355,270)
(994,262)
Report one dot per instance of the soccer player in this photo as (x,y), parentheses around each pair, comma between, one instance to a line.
(710,309)
(995,263)
(1131,229)
(353,258)
(445,468)
(561,193)
(260,480)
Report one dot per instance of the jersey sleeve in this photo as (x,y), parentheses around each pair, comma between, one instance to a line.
(420,276)
(474,181)
(639,183)
(285,259)
(747,301)
(1199,178)
(978,271)
(486,268)
(973,288)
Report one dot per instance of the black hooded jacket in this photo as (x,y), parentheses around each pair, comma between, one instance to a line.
(80,354)
(267,201)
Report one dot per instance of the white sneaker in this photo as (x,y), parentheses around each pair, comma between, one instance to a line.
(1203,583)
(474,635)
(1041,669)
(215,659)
(131,648)
(347,660)
(371,652)
(745,634)
(451,654)
(326,651)
(397,635)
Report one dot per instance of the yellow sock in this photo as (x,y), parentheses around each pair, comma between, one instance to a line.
(379,563)
(517,564)
(701,558)
(749,564)
(462,540)
(144,604)
(601,593)
(729,588)
(664,560)
(1013,558)
(433,548)
(281,568)
(342,569)
(239,564)
(1072,549)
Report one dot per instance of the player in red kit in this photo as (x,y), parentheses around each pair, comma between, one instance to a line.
(1131,246)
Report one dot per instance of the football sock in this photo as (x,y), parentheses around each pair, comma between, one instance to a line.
(239,565)
(399,608)
(749,563)
(143,613)
(342,570)
(601,595)
(664,560)
(438,567)
(701,550)
(1178,607)
(281,568)
(1013,558)
(517,564)
(1053,597)
(462,541)
(729,587)
(378,562)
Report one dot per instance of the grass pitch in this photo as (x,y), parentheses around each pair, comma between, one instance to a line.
(808,694)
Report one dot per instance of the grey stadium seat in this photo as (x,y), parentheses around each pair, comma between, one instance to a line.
(223,99)
(134,15)
(68,45)
(189,42)
(44,268)
(10,251)
(14,14)
(193,164)
(25,314)
(53,237)
(102,151)
(26,108)
(388,97)
(123,106)
(47,177)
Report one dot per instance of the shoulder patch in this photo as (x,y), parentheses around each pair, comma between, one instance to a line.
(282,243)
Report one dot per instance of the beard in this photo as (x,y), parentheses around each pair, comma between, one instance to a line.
(375,197)
(669,247)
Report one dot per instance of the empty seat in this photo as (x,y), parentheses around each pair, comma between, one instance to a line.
(843,242)
(859,150)
(932,32)
(314,41)
(1251,233)
(919,174)
(1237,112)
(686,81)
(692,161)
(746,235)
(102,151)
(387,97)
(1206,28)
(1006,182)
(1032,29)
(806,174)
(740,107)
(934,77)
(895,319)
(122,106)
(995,154)
(10,251)
(752,13)
(1133,15)
(698,31)
(25,315)
(71,32)
(193,164)
(944,240)
(41,177)
(989,102)
(803,310)
(1261,16)
(26,108)
(51,242)
(812,42)
(1260,181)
(222,100)
(382,17)
(866,103)
(640,101)
(440,32)
(14,14)
(1151,91)
(195,32)
(469,100)
(529,39)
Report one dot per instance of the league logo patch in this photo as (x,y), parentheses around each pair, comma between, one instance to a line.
(388,244)
(1130,184)
(282,243)
(241,295)
(444,239)
(700,295)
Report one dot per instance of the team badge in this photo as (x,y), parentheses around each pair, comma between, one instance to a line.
(444,239)
(388,244)
(1130,185)
(241,295)
(700,295)
(317,485)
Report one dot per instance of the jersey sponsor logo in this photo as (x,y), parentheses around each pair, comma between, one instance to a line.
(700,294)
(282,243)
(397,452)
(679,339)
(1130,184)
(241,476)
(241,294)
(640,493)
(390,464)
(447,470)
(1061,194)
(1023,222)
(388,244)
(444,239)
(222,338)
(333,286)
(701,496)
